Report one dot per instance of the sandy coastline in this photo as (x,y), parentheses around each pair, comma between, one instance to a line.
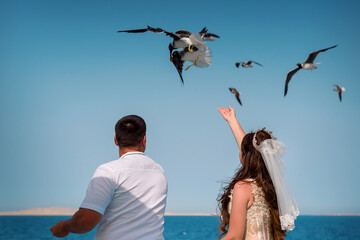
(51,211)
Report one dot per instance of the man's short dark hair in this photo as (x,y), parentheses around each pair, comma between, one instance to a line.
(130,130)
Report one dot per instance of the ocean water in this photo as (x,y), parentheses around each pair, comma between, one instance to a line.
(187,227)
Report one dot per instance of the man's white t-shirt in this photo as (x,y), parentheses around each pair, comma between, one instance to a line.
(130,193)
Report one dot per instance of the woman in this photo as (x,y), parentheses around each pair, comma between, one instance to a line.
(257,203)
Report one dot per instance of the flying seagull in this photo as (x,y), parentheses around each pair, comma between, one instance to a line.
(307,65)
(199,58)
(339,90)
(181,38)
(194,49)
(237,94)
(246,64)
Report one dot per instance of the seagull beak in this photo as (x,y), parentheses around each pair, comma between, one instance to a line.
(171,60)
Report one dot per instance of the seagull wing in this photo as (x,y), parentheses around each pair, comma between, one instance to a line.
(313,55)
(207,36)
(182,33)
(339,95)
(160,30)
(203,31)
(288,78)
(237,64)
(237,95)
(136,30)
(174,36)
(156,30)
(178,63)
(256,63)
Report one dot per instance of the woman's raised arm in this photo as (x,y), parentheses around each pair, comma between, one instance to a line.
(230,117)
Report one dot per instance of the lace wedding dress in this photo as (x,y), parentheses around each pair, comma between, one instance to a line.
(258,217)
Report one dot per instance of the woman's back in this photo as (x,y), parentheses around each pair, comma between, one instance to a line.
(258,216)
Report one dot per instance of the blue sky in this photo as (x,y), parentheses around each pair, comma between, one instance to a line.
(66,77)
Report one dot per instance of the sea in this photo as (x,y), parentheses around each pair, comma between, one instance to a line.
(186,227)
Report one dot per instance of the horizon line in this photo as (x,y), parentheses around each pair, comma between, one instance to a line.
(63,211)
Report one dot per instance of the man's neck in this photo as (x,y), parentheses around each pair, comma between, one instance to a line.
(124,150)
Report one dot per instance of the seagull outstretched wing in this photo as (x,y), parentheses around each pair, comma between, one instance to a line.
(339,90)
(237,95)
(288,78)
(313,55)
(255,62)
(207,36)
(178,63)
(135,30)
(339,95)
(142,30)
(154,30)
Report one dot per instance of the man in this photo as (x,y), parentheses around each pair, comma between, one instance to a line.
(127,197)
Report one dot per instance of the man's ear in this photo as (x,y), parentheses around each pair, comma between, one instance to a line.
(143,142)
(115,140)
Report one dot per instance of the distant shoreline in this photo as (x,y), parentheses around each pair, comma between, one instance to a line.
(60,211)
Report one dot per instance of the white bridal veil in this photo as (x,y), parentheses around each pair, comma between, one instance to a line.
(272,151)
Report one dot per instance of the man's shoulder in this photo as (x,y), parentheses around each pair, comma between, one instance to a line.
(109,164)
(155,164)
(131,161)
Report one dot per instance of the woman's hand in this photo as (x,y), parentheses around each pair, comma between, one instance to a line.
(228,114)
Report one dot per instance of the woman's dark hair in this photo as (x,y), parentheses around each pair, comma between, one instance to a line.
(130,130)
(253,166)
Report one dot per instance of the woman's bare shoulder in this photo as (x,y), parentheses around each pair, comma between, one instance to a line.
(243,186)
(243,190)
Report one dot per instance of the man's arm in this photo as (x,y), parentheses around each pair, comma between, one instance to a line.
(83,221)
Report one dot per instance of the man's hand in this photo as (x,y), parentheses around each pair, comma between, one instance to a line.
(228,114)
(60,229)
(83,221)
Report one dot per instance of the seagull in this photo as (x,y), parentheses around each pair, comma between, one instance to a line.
(181,38)
(307,65)
(194,49)
(237,94)
(199,58)
(246,64)
(339,90)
